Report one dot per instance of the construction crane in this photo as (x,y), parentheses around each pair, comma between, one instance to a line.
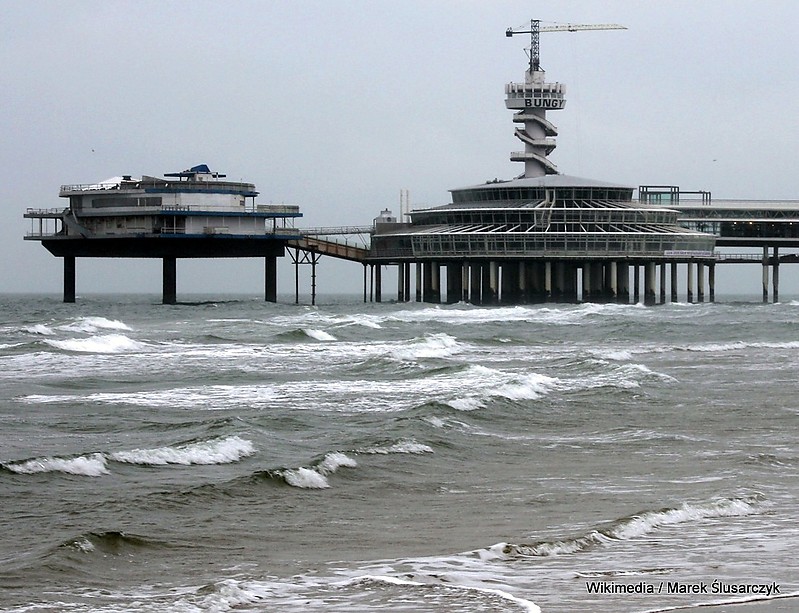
(536,28)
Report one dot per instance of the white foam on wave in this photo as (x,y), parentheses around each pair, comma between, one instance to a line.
(93,465)
(316,476)
(217,451)
(402,446)
(527,387)
(525,605)
(39,329)
(628,528)
(466,404)
(619,355)
(107,343)
(231,594)
(624,376)
(92,324)
(367,321)
(438,345)
(739,345)
(645,523)
(305,478)
(319,335)
(333,461)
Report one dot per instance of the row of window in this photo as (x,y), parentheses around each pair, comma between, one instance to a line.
(493,194)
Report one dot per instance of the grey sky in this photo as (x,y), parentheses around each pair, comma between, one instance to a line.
(337,106)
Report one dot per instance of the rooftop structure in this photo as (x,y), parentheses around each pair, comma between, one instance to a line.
(189,214)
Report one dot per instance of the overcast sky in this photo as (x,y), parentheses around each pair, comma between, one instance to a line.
(337,106)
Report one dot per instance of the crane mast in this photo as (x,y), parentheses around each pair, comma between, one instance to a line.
(536,28)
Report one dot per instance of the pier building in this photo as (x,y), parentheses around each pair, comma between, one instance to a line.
(543,235)
(189,214)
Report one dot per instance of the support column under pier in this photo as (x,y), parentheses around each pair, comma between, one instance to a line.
(663,283)
(401,282)
(636,284)
(522,283)
(700,282)
(649,283)
(623,281)
(454,282)
(690,298)
(419,281)
(427,282)
(597,282)
(711,280)
(69,278)
(510,283)
(586,294)
(570,282)
(170,281)
(407,267)
(612,281)
(548,281)
(559,281)
(765,274)
(475,282)
(673,267)
(270,278)
(776,275)
(378,283)
(490,279)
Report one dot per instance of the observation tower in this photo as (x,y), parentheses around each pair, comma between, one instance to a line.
(543,235)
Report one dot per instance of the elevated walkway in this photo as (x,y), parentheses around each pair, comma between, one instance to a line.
(334,249)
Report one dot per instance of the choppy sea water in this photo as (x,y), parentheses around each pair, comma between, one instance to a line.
(246,456)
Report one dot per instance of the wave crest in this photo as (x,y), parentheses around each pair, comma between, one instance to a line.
(93,324)
(93,465)
(402,446)
(630,527)
(315,477)
(216,451)
(104,343)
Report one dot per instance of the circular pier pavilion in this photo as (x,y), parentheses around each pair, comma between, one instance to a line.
(543,235)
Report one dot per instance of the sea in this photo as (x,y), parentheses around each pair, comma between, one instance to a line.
(236,455)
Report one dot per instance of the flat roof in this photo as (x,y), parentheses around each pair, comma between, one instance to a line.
(719,204)
(545,181)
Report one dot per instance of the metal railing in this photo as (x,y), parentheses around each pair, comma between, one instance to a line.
(333,231)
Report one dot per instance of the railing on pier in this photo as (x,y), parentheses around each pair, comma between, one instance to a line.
(335,231)
(332,248)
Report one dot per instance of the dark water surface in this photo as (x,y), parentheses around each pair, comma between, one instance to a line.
(247,456)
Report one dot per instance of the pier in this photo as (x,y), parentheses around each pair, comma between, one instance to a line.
(188,214)
(543,236)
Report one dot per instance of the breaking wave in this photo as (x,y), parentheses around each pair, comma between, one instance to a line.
(319,335)
(93,324)
(93,465)
(217,451)
(106,343)
(39,329)
(315,477)
(438,345)
(629,528)
(401,446)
